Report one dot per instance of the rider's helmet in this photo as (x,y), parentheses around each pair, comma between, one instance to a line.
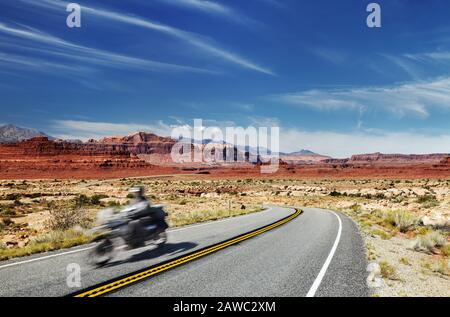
(137,191)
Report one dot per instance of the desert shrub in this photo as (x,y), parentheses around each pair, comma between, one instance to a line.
(7,212)
(379,196)
(95,200)
(403,260)
(356,208)
(371,255)
(440,266)
(33,195)
(428,201)
(422,230)
(438,238)
(401,219)
(82,200)
(67,218)
(130,196)
(398,199)
(13,196)
(381,233)
(335,194)
(429,241)
(113,204)
(446,250)
(387,271)
(7,221)
(423,243)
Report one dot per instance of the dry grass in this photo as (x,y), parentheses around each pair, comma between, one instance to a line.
(187,218)
(401,219)
(65,218)
(51,241)
(439,266)
(429,242)
(404,260)
(381,233)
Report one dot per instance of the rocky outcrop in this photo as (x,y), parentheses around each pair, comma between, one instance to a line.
(42,146)
(41,156)
(140,143)
(149,154)
(397,158)
(445,161)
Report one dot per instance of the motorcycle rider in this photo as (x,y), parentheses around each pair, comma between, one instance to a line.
(139,224)
(143,215)
(139,200)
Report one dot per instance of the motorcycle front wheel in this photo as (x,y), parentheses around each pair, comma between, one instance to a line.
(161,240)
(102,253)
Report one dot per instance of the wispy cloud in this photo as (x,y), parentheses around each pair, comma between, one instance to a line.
(84,130)
(439,58)
(12,60)
(402,99)
(214,8)
(202,5)
(421,65)
(73,51)
(406,65)
(193,39)
(334,56)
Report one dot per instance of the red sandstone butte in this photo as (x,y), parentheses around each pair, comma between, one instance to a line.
(145,154)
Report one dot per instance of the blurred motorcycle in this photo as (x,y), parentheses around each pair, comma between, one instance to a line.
(132,227)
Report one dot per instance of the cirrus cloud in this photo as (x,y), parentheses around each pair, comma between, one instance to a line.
(402,99)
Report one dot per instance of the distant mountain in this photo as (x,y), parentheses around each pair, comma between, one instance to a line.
(302,157)
(10,133)
(136,138)
(300,153)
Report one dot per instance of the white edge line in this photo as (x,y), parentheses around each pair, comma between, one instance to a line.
(88,248)
(312,291)
(45,257)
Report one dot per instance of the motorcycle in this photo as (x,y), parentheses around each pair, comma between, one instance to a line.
(129,229)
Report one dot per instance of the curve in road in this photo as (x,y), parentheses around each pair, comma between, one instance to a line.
(320,253)
(135,277)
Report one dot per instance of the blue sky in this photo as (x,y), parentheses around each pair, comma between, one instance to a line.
(313,68)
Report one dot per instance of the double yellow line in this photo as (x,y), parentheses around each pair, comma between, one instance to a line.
(141,275)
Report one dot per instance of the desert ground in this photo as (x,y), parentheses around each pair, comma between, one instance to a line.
(405,223)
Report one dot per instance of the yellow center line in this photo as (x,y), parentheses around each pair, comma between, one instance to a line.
(122,282)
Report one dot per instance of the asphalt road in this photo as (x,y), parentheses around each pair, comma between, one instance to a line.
(319,253)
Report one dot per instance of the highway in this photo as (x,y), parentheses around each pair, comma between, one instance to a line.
(277,252)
